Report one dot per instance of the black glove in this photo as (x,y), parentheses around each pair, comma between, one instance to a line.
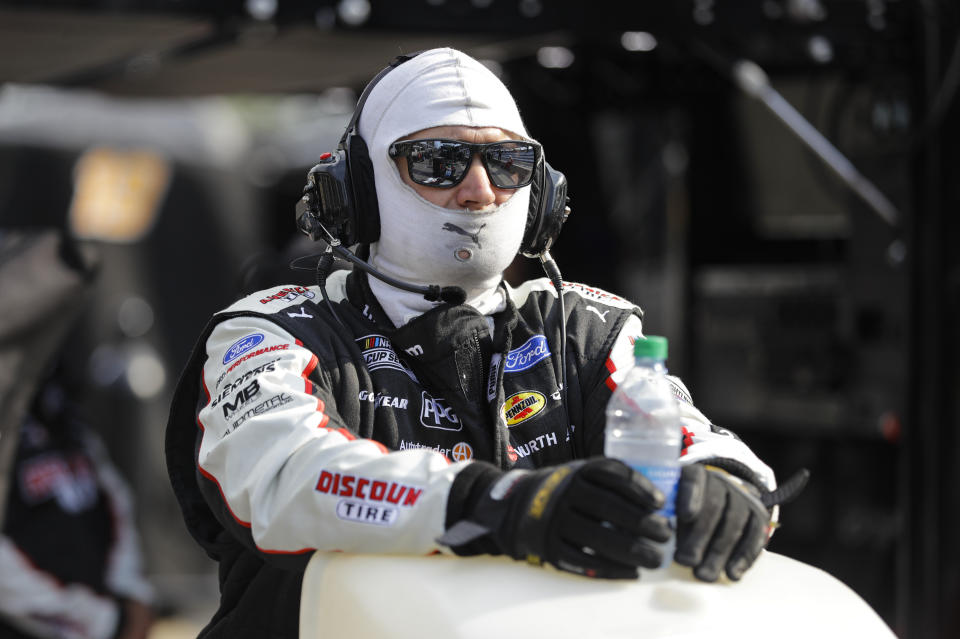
(720,524)
(593,517)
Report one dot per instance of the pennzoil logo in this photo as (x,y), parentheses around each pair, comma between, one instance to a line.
(520,407)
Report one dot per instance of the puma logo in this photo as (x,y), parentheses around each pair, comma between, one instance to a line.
(473,236)
(302,313)
(602,316)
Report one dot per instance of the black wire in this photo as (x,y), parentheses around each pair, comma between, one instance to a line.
(324,265)
(553,272)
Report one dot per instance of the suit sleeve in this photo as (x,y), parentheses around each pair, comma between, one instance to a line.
(41,605)
(284,473)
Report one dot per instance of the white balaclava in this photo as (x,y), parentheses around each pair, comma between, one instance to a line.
(420,242)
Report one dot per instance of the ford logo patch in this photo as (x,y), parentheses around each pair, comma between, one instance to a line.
(532,351)
(241,346)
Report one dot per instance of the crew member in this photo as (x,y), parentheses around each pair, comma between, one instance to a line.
(418,403)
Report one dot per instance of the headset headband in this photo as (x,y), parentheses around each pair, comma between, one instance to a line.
(355,118)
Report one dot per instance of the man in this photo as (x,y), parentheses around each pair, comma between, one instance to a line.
(70,558)
(384,422)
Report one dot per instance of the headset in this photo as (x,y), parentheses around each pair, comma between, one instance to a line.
(340,199)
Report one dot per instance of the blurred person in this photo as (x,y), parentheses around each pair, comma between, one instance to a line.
(70,562)
(418,403)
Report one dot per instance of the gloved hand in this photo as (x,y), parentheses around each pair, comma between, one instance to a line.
(721,526)
(593,517)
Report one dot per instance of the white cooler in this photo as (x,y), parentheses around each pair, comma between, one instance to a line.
(379,597)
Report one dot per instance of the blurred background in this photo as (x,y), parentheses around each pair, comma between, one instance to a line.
(776,182)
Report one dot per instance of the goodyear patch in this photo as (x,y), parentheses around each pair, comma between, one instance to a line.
(522,406)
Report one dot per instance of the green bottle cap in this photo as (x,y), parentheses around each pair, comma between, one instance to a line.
(651,346)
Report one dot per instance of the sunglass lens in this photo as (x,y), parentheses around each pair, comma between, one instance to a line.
(437,163)
(510,164)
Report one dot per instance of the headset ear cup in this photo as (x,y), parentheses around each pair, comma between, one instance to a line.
(532,230)
(548,211)
(365,225)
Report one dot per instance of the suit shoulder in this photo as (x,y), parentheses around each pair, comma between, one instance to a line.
(573,292)
(593,294)
(276,298)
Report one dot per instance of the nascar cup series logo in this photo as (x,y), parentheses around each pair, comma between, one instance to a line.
(378,353)
(533,350)
(520,407)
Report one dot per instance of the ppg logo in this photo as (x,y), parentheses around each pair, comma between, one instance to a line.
(434,413)
(241,346)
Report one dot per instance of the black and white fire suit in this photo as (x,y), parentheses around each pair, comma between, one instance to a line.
(295,430)
(69,550)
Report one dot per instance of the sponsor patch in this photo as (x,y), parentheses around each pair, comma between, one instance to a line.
(521,406)
(533,350)
(492,377)
(241,346)
(382,399)
(70,479)
(363,513)
(289,293)
(678,392)
(597,295)
(234,384)
(538,443)
(256,353)
(263,407)
(378,353)
(405,445)
(243,396)
(368,501)
(434,413)
(462,451)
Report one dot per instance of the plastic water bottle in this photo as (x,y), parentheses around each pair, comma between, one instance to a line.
(643,425)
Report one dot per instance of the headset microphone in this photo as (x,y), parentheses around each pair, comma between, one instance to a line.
(307,212)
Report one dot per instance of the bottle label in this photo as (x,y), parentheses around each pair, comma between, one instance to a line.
(666,479)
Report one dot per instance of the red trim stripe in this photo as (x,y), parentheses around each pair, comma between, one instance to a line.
(687,440)
(612,385)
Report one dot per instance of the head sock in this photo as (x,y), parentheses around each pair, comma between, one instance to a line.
(421,242)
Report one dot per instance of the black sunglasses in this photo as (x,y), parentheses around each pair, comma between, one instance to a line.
(510,164)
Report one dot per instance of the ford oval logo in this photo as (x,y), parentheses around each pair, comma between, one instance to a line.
(532,351)
(241,346)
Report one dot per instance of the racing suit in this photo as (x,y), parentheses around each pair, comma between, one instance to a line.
(69,553)
(296,429)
